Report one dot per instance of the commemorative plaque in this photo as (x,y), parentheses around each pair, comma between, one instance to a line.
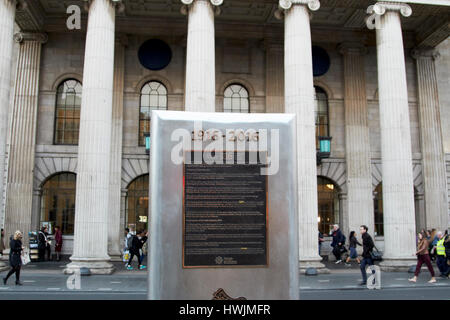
(225,213)
(223,206)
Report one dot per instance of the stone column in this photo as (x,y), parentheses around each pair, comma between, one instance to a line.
(115,228)
(398,188)
(94,148)
(299,99)
(274,76)
(19,187)
(200,92)
(357,141)
(433,157)
(7,16)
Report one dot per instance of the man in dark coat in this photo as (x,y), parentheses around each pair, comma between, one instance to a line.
(15,257)
(337,243)
(42,243)
(368,246)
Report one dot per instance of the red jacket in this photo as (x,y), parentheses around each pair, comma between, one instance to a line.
(58,240)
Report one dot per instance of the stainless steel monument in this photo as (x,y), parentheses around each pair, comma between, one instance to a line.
(223,206)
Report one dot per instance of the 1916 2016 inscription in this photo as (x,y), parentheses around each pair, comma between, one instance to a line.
(225,214)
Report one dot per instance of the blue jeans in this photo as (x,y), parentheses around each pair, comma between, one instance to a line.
(364,263)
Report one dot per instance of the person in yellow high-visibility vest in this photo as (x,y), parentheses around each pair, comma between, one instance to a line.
(441,256)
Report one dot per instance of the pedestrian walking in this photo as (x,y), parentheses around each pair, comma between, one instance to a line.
(447,250)
(43,244)
(353,242)
(368,246)
(337,243)
(441,259)
(136,245)
(58,243)
(423,257)
(320,241)
(144,249)
(2,243)
(15,260)
(432,244)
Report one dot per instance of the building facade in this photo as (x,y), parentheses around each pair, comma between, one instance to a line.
(76,102)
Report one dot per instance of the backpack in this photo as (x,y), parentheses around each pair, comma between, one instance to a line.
(130,242)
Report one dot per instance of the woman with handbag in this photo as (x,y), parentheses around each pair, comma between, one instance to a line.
(423,257)
(15,257)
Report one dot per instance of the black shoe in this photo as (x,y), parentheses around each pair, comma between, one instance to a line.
(362,283)
(4,281)
(18,283)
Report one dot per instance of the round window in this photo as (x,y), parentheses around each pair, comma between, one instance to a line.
(321,61)
(155,54)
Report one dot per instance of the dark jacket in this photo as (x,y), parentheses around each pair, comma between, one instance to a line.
(354,242)
(42,243)
(137,244)
(338,237)
(367,245)
(15,252)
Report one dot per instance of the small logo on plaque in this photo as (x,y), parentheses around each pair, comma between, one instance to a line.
(220,294)
(219,260)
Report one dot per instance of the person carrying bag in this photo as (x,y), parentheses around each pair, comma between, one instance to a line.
(15,257)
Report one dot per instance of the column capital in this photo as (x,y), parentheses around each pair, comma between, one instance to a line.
(40,37)
(285,5)
(425,53)
(120,6)
(187,3)
(381,7)
(355,48)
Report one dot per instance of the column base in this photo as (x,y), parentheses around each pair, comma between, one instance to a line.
(95,266)
(320,267)
(116,257)
(397,265)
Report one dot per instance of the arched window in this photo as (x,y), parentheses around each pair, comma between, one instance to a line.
(235,99)
(378,210)
(67,115)
(137,204)
(153,97)
(321,114)
(58,202)
(328,200)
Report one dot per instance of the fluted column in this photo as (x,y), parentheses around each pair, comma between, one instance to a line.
(19,186)
(200,92)
(94,148)
(299,99)
(274,76)
(398,188)
(357,141)
(115,227)
(7,16)
(433,157)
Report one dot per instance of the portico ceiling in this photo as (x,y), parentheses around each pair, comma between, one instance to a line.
(430,24)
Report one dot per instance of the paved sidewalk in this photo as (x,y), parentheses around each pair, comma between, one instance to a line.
(48,277)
